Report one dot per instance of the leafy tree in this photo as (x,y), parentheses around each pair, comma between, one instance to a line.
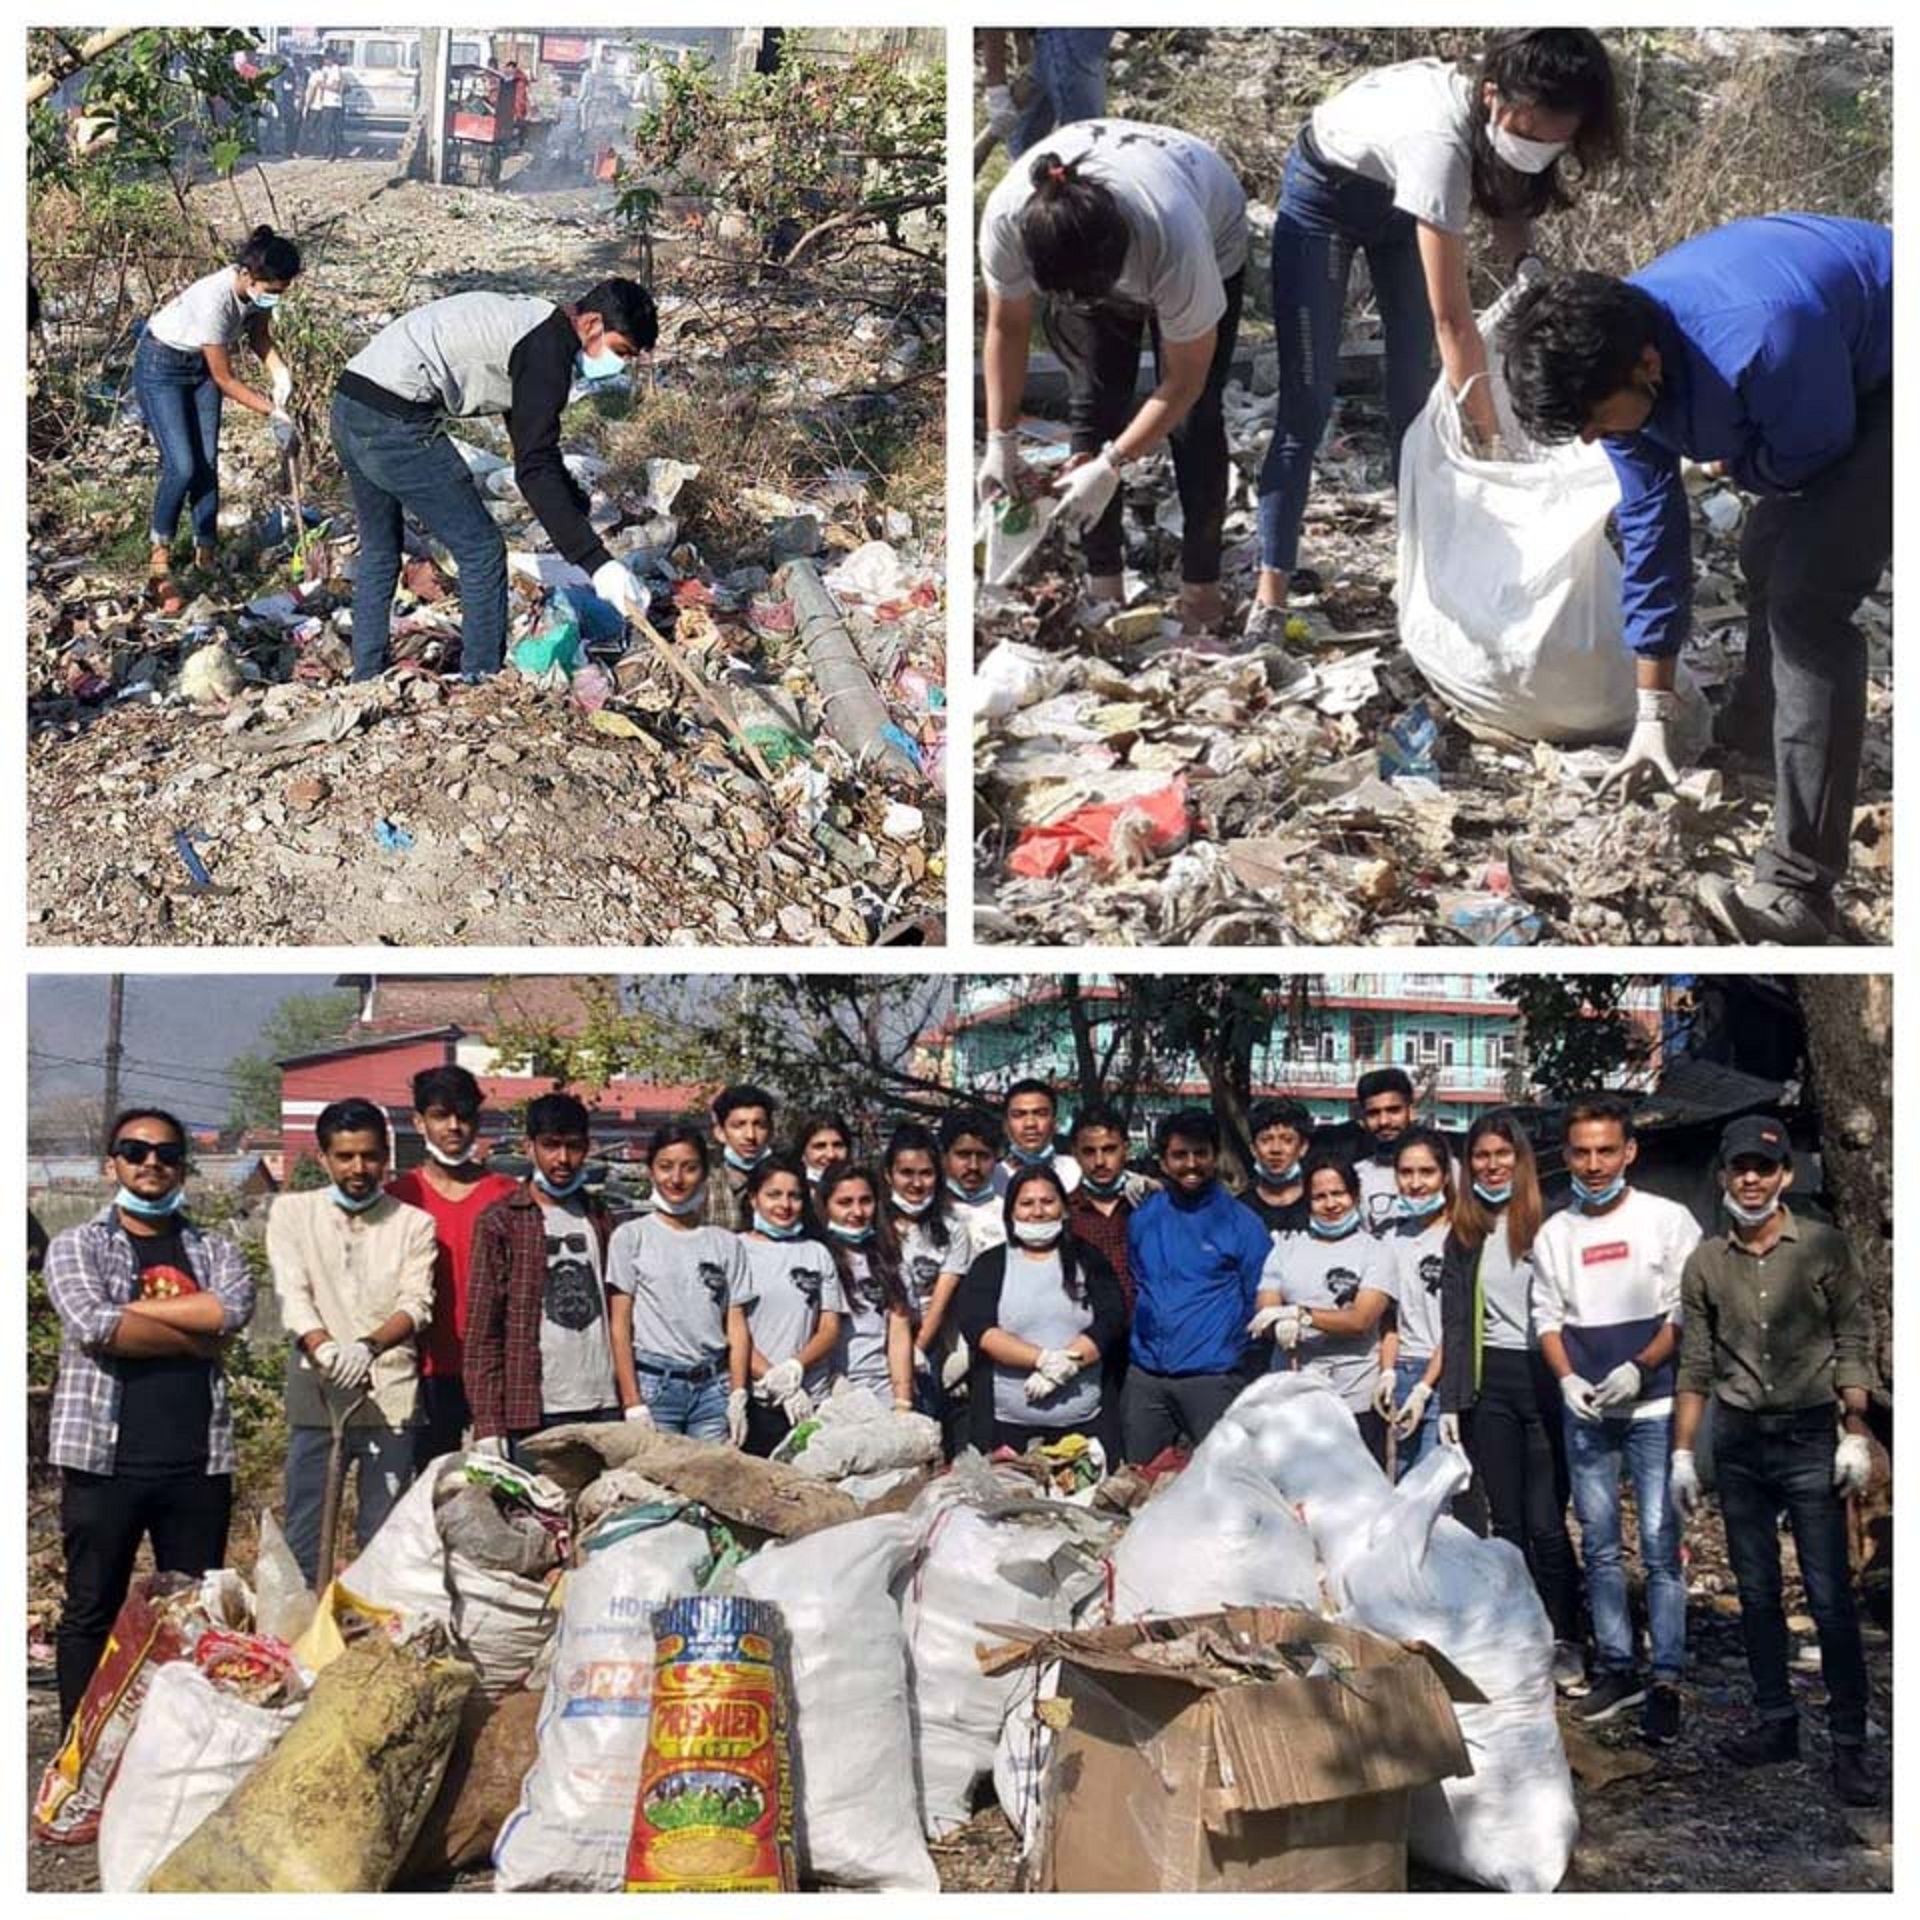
(303,1023)
(1576,1030)
(608,1036)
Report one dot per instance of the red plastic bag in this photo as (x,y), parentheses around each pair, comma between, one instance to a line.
(1043,851)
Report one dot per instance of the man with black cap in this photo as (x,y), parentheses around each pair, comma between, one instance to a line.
(1775,1327)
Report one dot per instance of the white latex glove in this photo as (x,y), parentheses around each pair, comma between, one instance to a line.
(1001,469)
(1450,1430)
(1852,1463)
(1579,1396)
(954,1369)
(286,436)
(282,377)
(639,1412)
(1058,1365)
(1621,1388)
(352,1366)
(1529,268)
(1002,115)
(615,584)
(324,1355)
(1412,1409)
(1280,1324)
(779,1380)
(493,1447)
(1647,765)
(797,1406)
(737,1416)
(1036,1386)
(1085,492)
(1683,1484)
(1383,1396)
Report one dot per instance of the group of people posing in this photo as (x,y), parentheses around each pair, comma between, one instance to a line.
(1018,1286)
(1763,348)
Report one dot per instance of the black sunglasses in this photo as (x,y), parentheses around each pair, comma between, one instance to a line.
(136,1152)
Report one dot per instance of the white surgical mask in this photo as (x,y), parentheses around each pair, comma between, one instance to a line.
(1593,1198)
(1494,1196)
(1750,1216)
(761,1224)
(266,302)
(680,1209)
(1424,1208)
(1521,154)
(913,1209)
(853,1236)
(342,1198)
(1037,1233)
(556,1192)
(740,1163)
(1335,1229)
(599,366)
(462,1159)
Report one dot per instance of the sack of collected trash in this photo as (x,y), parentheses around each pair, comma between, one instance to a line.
(440,1557)
(193,1744)
(336,1804)
(569,1831)
(859,1819)
(493,1750)
(992,1555)
(1508,590)
(161,1620)
(852,1434)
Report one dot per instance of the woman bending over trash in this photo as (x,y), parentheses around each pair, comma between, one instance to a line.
(1040,1315)
(1392,165)
(798,1308)
(1116,226)
(1324,1292)
(679,1300)
(182,368)
(875,1356)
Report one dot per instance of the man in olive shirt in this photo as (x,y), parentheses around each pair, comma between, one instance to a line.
(1775,1327)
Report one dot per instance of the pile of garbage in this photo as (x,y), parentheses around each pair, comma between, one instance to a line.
(655,1662)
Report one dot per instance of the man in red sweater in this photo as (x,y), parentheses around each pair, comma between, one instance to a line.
(452,1185)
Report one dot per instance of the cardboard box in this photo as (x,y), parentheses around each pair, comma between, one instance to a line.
(1173,1782)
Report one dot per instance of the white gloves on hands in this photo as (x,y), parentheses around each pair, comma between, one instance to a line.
(349,1364)
(1058,1365)
(737,1417)
(1683,1485)
(797,1406)
(1002,115)
(282,377)
(1621,1388)
(1001,469)
(615,584)
(1647,765)
(639,1412)
(1852,1464)
(286,436)
(494,1446)
(954,1369)
(1579,1395)
(1383,1395)
(1085,492)
(1412,1410)
(779,1380)
(1282,1324)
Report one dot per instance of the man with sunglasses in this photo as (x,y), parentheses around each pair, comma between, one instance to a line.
(477,354)
(141,1426)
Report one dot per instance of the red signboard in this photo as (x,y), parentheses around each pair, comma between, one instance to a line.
(558,50)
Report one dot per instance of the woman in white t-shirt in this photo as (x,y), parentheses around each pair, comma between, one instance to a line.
(935,1251)
(1413,1347)
(182,368)
(1392,166)
(1117,227)
(875,1354)
(795,1317)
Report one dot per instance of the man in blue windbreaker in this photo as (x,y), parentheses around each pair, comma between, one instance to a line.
(1194,1254)
(1764,349)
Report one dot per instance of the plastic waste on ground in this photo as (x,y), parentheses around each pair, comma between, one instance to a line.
(856,716)
(1154,822)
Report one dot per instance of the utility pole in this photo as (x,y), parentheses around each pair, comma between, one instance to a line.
(110,1099)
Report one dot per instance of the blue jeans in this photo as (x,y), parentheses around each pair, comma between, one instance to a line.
(394,467)
(1407,1374)
(1070,68)
(1326,215)
(1595,1450)
(382,1461)
(181,406)
(680,1406)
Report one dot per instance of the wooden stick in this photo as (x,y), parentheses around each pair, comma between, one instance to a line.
(708,699)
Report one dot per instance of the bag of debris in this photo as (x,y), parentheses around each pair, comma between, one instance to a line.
(492,1754)
(411,1571)
(1508,590)
(993,1554)
(192,1746)
(852,1433)
(283,1602)
(859,1822)
(336,1804)
(568,1833)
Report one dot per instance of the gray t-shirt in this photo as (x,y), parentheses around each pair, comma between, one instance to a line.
(794,1283)
(683,1280)
(985,1220)
(1185,209)
(1506,1294)
(207,314)
(1416,1281)
(1035,1305)
(922,1263)
(1410,127)
(453,353)
(576,1361)
(1379,1190)
(1307,1271)
(862,1354)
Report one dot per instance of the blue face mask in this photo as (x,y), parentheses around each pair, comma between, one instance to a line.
(1493,1196)
(1593,1198)
(554,1192)
(143,1209)
(342,1198)
(1335,1229)
(761,1224)
(599,366)
(1277,1177)
(970,1194)
(853,1236)
(740,1165)
(265,302)
(680,1209)
(1103,1189)
(1038,1157)
(1424,1208)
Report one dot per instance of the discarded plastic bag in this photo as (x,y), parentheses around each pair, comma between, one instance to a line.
(569,1831)
(193,1745)
(335,1806)
(557,645)
(282,1600)
(1157,823)
(1013,676)
(852,1433)
(859,1824)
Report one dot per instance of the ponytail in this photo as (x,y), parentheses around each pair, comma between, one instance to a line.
(1072,230)
(268,255)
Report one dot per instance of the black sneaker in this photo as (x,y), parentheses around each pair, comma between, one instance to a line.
(1853,1785)
(1660,1717)
(1764,1744)
(1611,1693)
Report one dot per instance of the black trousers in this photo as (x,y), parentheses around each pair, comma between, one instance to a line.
(1099,345)
(445,1416)
(1161,1410)
(103,1518)
(1515,1438)
(766,1428)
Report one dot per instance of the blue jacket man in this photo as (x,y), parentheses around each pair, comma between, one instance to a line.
(1195,1255)
(1763,348)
